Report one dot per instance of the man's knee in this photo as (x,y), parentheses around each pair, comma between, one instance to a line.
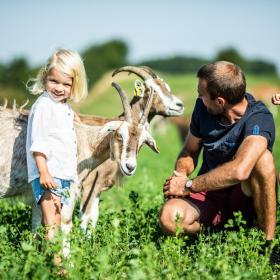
(168,215)
(263,176)
(174,214)
(265,166)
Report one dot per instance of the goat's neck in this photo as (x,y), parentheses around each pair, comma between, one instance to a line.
(139,105)
(86,157)
(151,116)
(136,111)
(137,108)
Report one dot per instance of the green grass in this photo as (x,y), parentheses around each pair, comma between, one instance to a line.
(128,242)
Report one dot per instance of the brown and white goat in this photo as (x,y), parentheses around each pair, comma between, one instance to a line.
(133,134)
(104,176)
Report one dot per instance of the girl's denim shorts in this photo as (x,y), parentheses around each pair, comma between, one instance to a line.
(62,189)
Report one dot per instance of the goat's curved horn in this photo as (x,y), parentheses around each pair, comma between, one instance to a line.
(149,71)
(125,103)
(5,103)
(23,105)
(143,74)
(14,105)
(147,108)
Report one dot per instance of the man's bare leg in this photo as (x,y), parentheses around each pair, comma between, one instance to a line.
(179,212)
(261,185)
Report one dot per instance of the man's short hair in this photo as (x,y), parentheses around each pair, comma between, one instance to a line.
(224,79)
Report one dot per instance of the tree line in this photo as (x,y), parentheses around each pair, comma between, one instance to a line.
(184,64)
(101,58)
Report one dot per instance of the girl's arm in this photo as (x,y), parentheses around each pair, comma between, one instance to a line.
(45,178)
(40,147)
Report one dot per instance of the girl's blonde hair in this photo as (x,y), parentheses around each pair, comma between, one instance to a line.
(68,62)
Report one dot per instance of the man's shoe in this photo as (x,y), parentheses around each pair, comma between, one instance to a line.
(274,257)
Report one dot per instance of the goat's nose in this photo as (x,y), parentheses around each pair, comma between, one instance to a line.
(180,104)
(130,166)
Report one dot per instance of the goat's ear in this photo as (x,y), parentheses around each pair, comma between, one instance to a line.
(109,127)
(151,142)
(112,149)
(104,131)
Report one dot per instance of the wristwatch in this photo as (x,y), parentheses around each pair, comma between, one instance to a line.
(188,185)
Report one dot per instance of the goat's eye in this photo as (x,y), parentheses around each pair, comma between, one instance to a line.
(118,136)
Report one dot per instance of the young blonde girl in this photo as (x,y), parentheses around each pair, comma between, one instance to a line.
(51,146)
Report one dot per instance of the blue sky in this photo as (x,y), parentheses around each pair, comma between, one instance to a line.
(152,29)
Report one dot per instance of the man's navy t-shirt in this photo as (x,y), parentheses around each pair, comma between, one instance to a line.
(220,142)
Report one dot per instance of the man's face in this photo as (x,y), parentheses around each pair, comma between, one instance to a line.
(213,106)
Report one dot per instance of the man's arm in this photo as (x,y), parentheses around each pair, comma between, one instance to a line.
(188,157)
(235,171)
(185,165)
(228,174)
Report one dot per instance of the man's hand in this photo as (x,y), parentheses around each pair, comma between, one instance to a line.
(174,186)
(276,99)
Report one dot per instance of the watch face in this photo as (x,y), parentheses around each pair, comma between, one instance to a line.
(189,184)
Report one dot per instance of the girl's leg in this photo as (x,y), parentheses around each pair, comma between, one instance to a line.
(51,213)
(36,216)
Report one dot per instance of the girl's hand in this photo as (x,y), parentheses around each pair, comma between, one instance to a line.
(46,180)
(276,99)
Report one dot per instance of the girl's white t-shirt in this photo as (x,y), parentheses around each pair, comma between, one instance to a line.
(51,131)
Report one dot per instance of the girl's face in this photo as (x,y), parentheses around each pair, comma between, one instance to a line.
(58,85)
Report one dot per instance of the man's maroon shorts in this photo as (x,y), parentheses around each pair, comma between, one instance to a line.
(216,207)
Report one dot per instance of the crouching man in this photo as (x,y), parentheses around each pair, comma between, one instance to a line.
(238,172)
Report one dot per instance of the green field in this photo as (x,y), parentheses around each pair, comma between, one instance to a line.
(127,242)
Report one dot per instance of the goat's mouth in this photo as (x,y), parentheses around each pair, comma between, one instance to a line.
(126,172)
(175,111)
